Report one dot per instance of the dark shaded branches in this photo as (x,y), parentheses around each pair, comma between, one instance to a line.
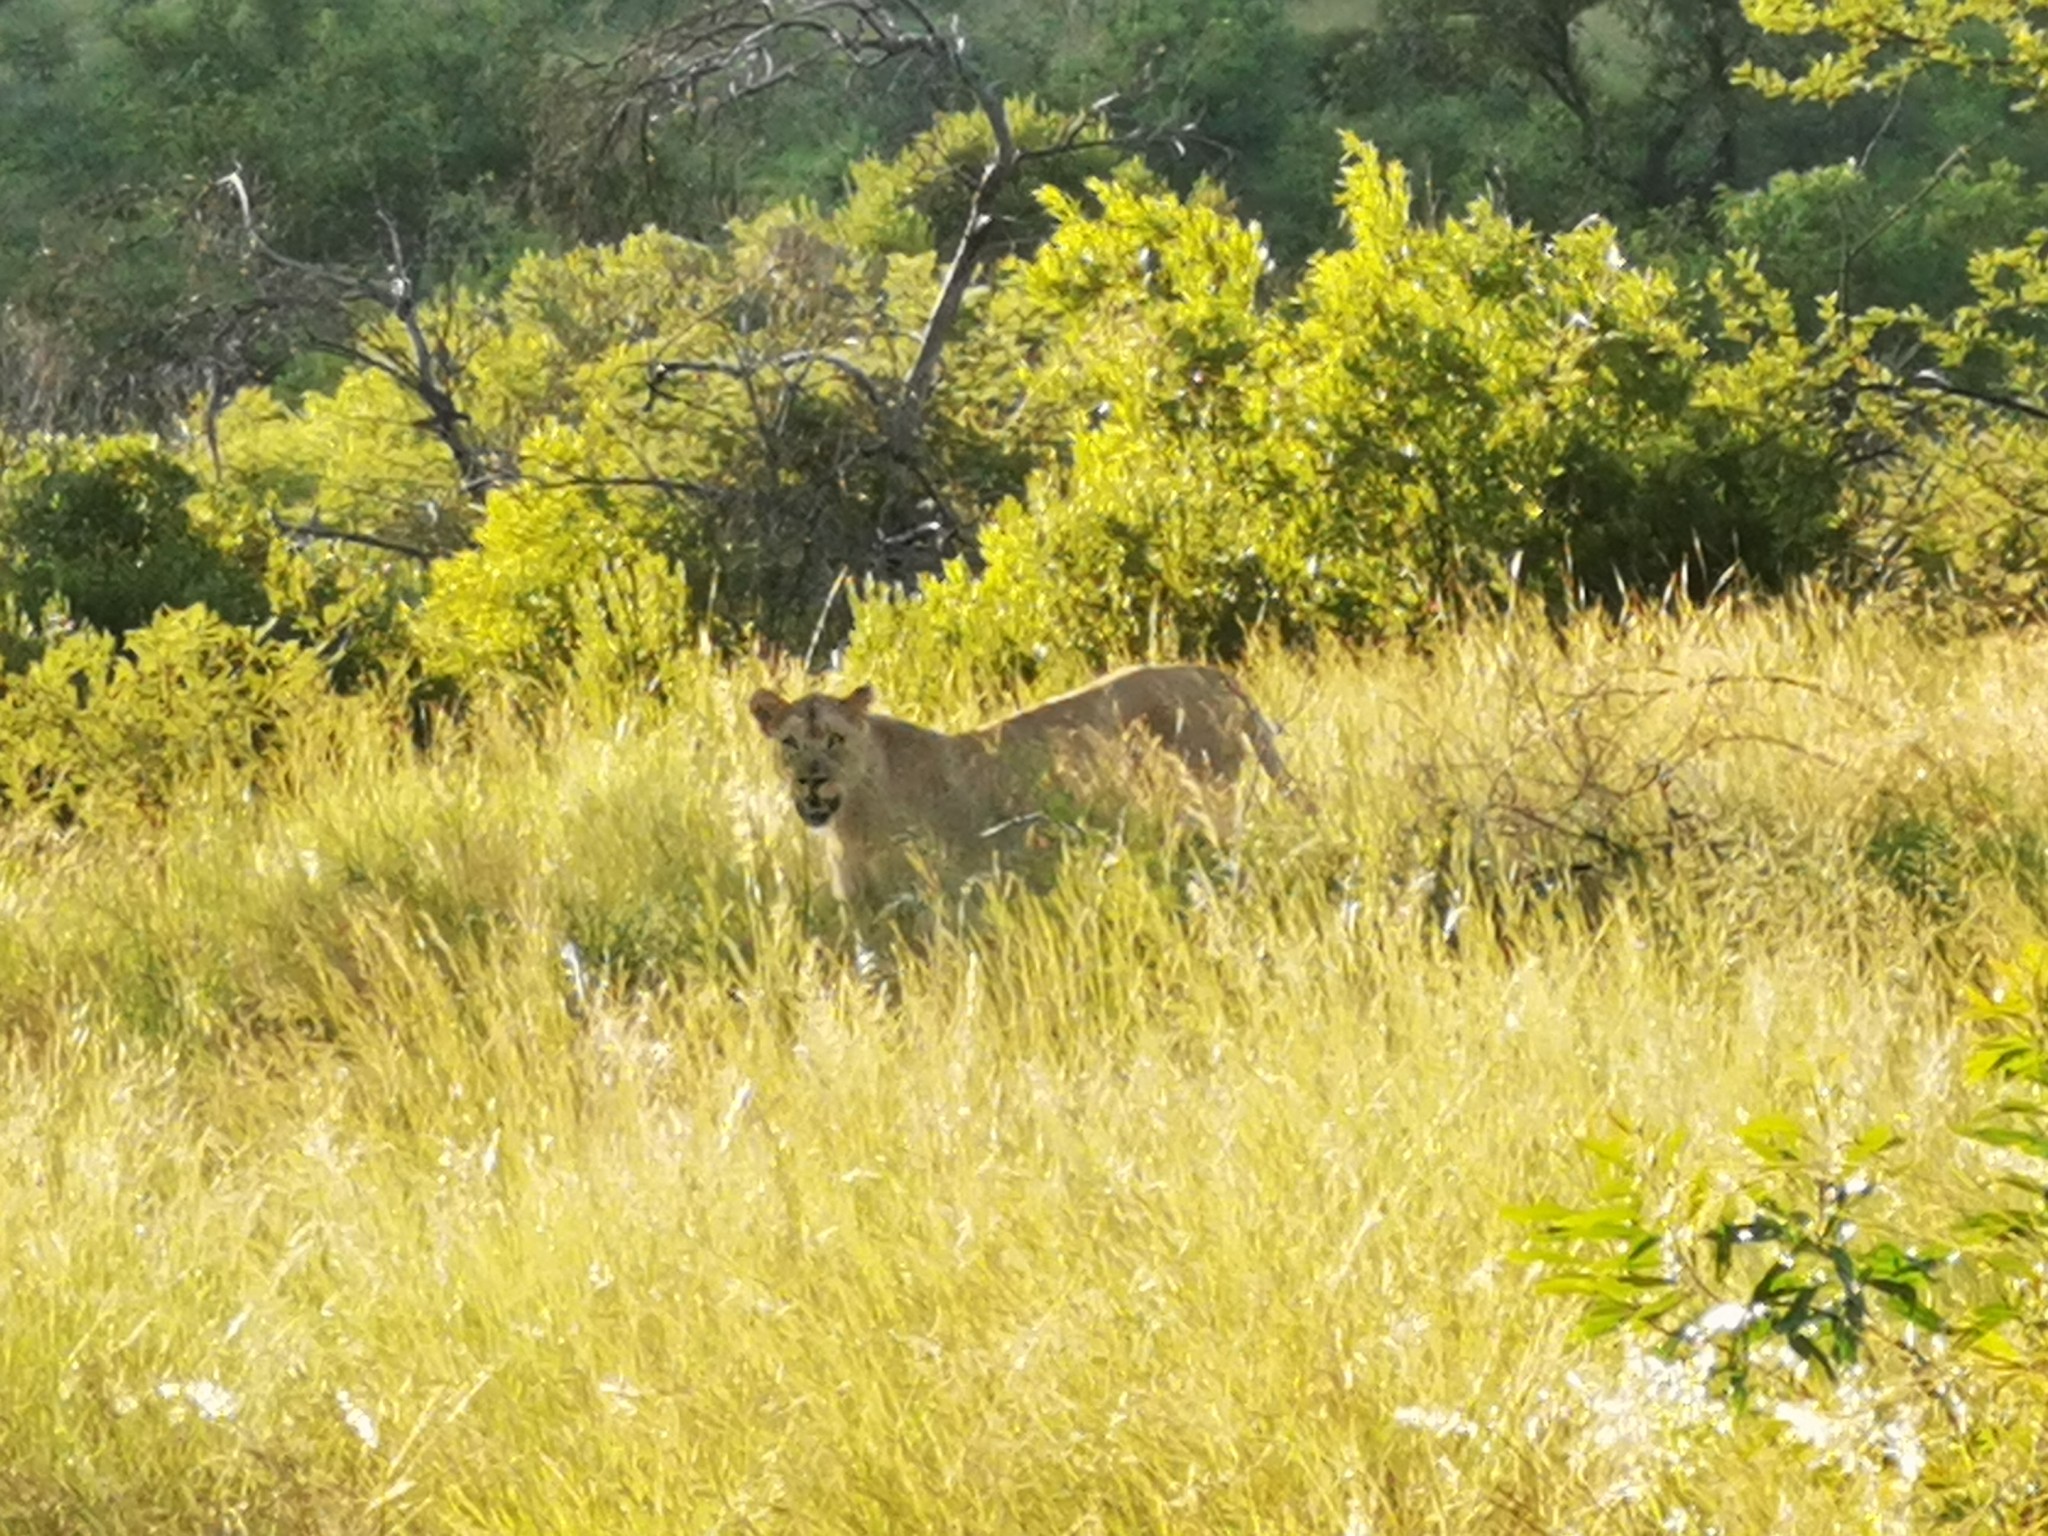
(422,365)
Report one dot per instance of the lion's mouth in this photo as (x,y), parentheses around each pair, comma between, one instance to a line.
(817,812)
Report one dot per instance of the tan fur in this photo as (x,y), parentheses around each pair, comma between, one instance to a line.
(872,783)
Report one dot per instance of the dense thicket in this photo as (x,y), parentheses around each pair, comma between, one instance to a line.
(1032,387)
(459,133)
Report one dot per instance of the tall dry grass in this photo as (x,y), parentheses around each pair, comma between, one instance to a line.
(504,1138)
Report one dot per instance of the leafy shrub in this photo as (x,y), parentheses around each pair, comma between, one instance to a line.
(99,527)
(1797,1256)
(1801,1277)
(1951,521)
(916,201)
(2010,1015)
(552,588)
(1949,517)
(1949,526)
(1808,1249)
(1960,854)
(733,409)
(1836,229)
(1245,72)
(1433,407)
(89,732)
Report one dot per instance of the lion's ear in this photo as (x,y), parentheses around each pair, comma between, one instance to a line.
(769,710)
(857,702)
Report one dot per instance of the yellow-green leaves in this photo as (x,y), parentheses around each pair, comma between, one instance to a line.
(98,733)
(1877,45)
(1433,405)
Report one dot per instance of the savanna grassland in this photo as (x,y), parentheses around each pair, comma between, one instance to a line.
(503,1136)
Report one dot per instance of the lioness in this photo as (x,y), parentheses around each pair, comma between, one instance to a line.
(872,782)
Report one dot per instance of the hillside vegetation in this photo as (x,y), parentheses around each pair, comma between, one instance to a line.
(499,1139)
(141,141)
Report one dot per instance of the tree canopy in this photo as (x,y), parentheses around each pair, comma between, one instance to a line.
(1024,379)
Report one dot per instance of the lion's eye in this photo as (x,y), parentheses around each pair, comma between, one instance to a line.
(788,745)
(834,741)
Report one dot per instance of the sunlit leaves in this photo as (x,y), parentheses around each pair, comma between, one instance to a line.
(1788,1274)
(1433,404)
(98,732)
(728,408)
(1880,44)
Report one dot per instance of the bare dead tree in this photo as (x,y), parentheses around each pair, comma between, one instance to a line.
(731,50)
(726,51)
(824,497)
(422,366)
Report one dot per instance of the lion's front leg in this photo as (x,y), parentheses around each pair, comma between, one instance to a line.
(851,872)
(868,916)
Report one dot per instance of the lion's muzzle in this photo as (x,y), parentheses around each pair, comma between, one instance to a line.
(816,801)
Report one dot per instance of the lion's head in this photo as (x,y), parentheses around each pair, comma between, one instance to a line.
(824,744)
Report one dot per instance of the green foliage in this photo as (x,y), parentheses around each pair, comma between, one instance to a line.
(1240,97)
(354,106)
(304,474)
(915,201)
(476,126)
(2010,1016)
(1950,854)
(731,411)
(94,732)
(1879,45)
(118,119)
(1872,242)
(1604,1251)
(1788,1274)
(1435,406)
(1562,109)
(552,589)
(1919,857)
(100,530)
(1949,522)
(1782,1283)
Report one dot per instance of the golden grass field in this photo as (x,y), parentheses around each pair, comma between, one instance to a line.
(503,1138)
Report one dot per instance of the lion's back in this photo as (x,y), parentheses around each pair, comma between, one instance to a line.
(952,794)
(1197,712)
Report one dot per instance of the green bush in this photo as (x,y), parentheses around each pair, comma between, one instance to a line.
(916,201)
(1837,229)
(99,527)
(1799,1280)
(732,409)
(1435,407)
(1950,527)
(90,733)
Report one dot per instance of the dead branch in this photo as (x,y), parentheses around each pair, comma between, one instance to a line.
(314,531)
(729,50)
(1928,382)
(660,372)
(423,371)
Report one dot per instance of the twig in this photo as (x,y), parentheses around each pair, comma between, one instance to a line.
(308,532)
(424,376)
(1929,382)
(824,610)
(1898,212)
